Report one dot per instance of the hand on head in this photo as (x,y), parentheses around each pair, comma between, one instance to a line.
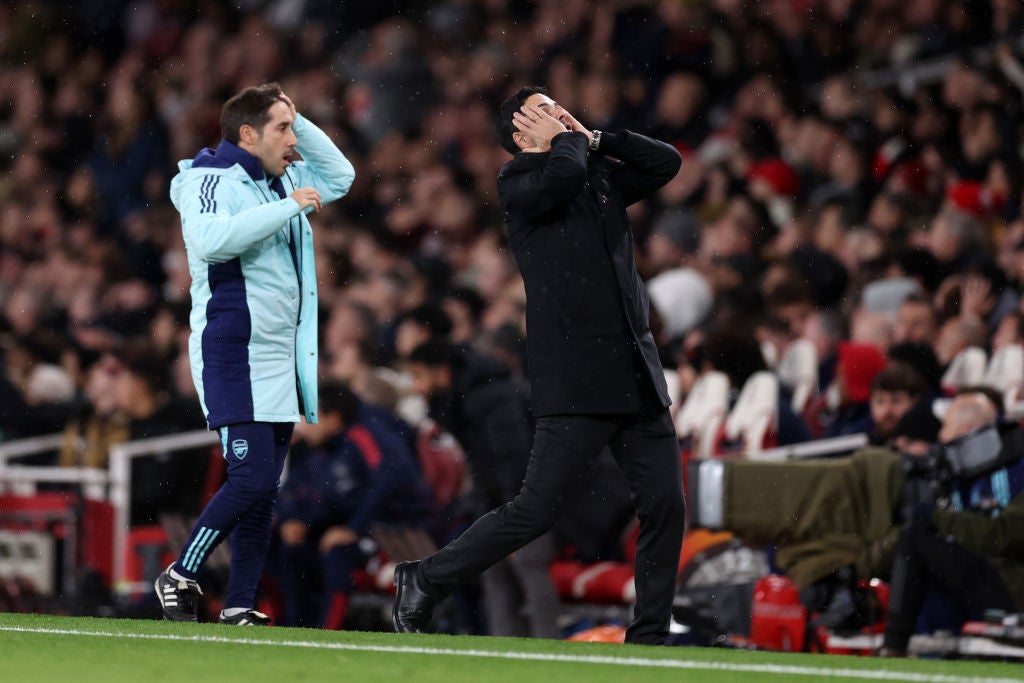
(538,126)
(287,100)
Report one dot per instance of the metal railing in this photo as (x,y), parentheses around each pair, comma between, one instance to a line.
(21,480)
(836,445)
(34,445)
(120,483)
(115,481)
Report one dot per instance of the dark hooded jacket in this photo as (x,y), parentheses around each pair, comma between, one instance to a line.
(487,410)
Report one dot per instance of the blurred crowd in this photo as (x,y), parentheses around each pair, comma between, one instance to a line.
(852,177)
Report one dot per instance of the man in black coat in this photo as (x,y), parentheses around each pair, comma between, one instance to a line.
(594,369)
(474,397)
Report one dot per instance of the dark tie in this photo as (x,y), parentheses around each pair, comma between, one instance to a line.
(277,186)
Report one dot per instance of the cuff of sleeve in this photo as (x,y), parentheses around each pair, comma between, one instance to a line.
(567,135)
(610,142)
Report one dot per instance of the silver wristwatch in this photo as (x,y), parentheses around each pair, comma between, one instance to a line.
(595,140)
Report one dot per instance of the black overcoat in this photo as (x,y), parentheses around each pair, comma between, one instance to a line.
(590,346)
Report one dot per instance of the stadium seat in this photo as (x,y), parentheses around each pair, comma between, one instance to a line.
(754,418)
(672,382)
(442,461)
(598,582)
(702,413)
(1005,374)
(798,372)
(967,368)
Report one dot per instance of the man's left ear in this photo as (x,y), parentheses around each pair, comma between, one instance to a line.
(247,134)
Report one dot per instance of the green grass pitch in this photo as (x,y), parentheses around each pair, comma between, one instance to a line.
(41,649)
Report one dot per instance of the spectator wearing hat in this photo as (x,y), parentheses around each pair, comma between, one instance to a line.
(682,298)
(975,198)
(857,366)
(887,294)
(778,177)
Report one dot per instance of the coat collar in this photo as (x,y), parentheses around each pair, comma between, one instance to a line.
(226,155)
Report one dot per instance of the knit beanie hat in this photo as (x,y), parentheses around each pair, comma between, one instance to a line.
(859,363)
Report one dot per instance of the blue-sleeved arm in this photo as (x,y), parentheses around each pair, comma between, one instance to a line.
(215,226)
(323,167)
(389,467)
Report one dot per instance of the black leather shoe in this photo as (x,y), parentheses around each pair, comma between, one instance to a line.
(413,606)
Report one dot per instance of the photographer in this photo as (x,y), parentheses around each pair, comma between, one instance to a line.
(855,513)
(968,542)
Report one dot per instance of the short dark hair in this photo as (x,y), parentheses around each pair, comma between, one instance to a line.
(338,397)
(921,357)
(791,289)
(897,377)
(249,107)
(470,297)
(503,121)
(431,316)
(433,354)
(145,361)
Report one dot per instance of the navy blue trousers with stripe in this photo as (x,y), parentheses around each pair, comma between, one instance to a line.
(242,509)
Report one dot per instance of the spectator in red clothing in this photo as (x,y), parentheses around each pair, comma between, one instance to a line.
(856,369)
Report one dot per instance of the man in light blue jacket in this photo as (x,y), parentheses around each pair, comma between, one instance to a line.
(253,348)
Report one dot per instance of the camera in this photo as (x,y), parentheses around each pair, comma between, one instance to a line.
(932,478)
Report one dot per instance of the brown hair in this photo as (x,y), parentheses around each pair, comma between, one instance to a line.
(249,107)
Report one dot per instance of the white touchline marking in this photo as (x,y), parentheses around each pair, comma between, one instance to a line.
(542,657)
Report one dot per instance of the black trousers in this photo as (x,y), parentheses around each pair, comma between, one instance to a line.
(564,448)
(923,558)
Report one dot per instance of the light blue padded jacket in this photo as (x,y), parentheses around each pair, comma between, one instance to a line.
(253,347)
